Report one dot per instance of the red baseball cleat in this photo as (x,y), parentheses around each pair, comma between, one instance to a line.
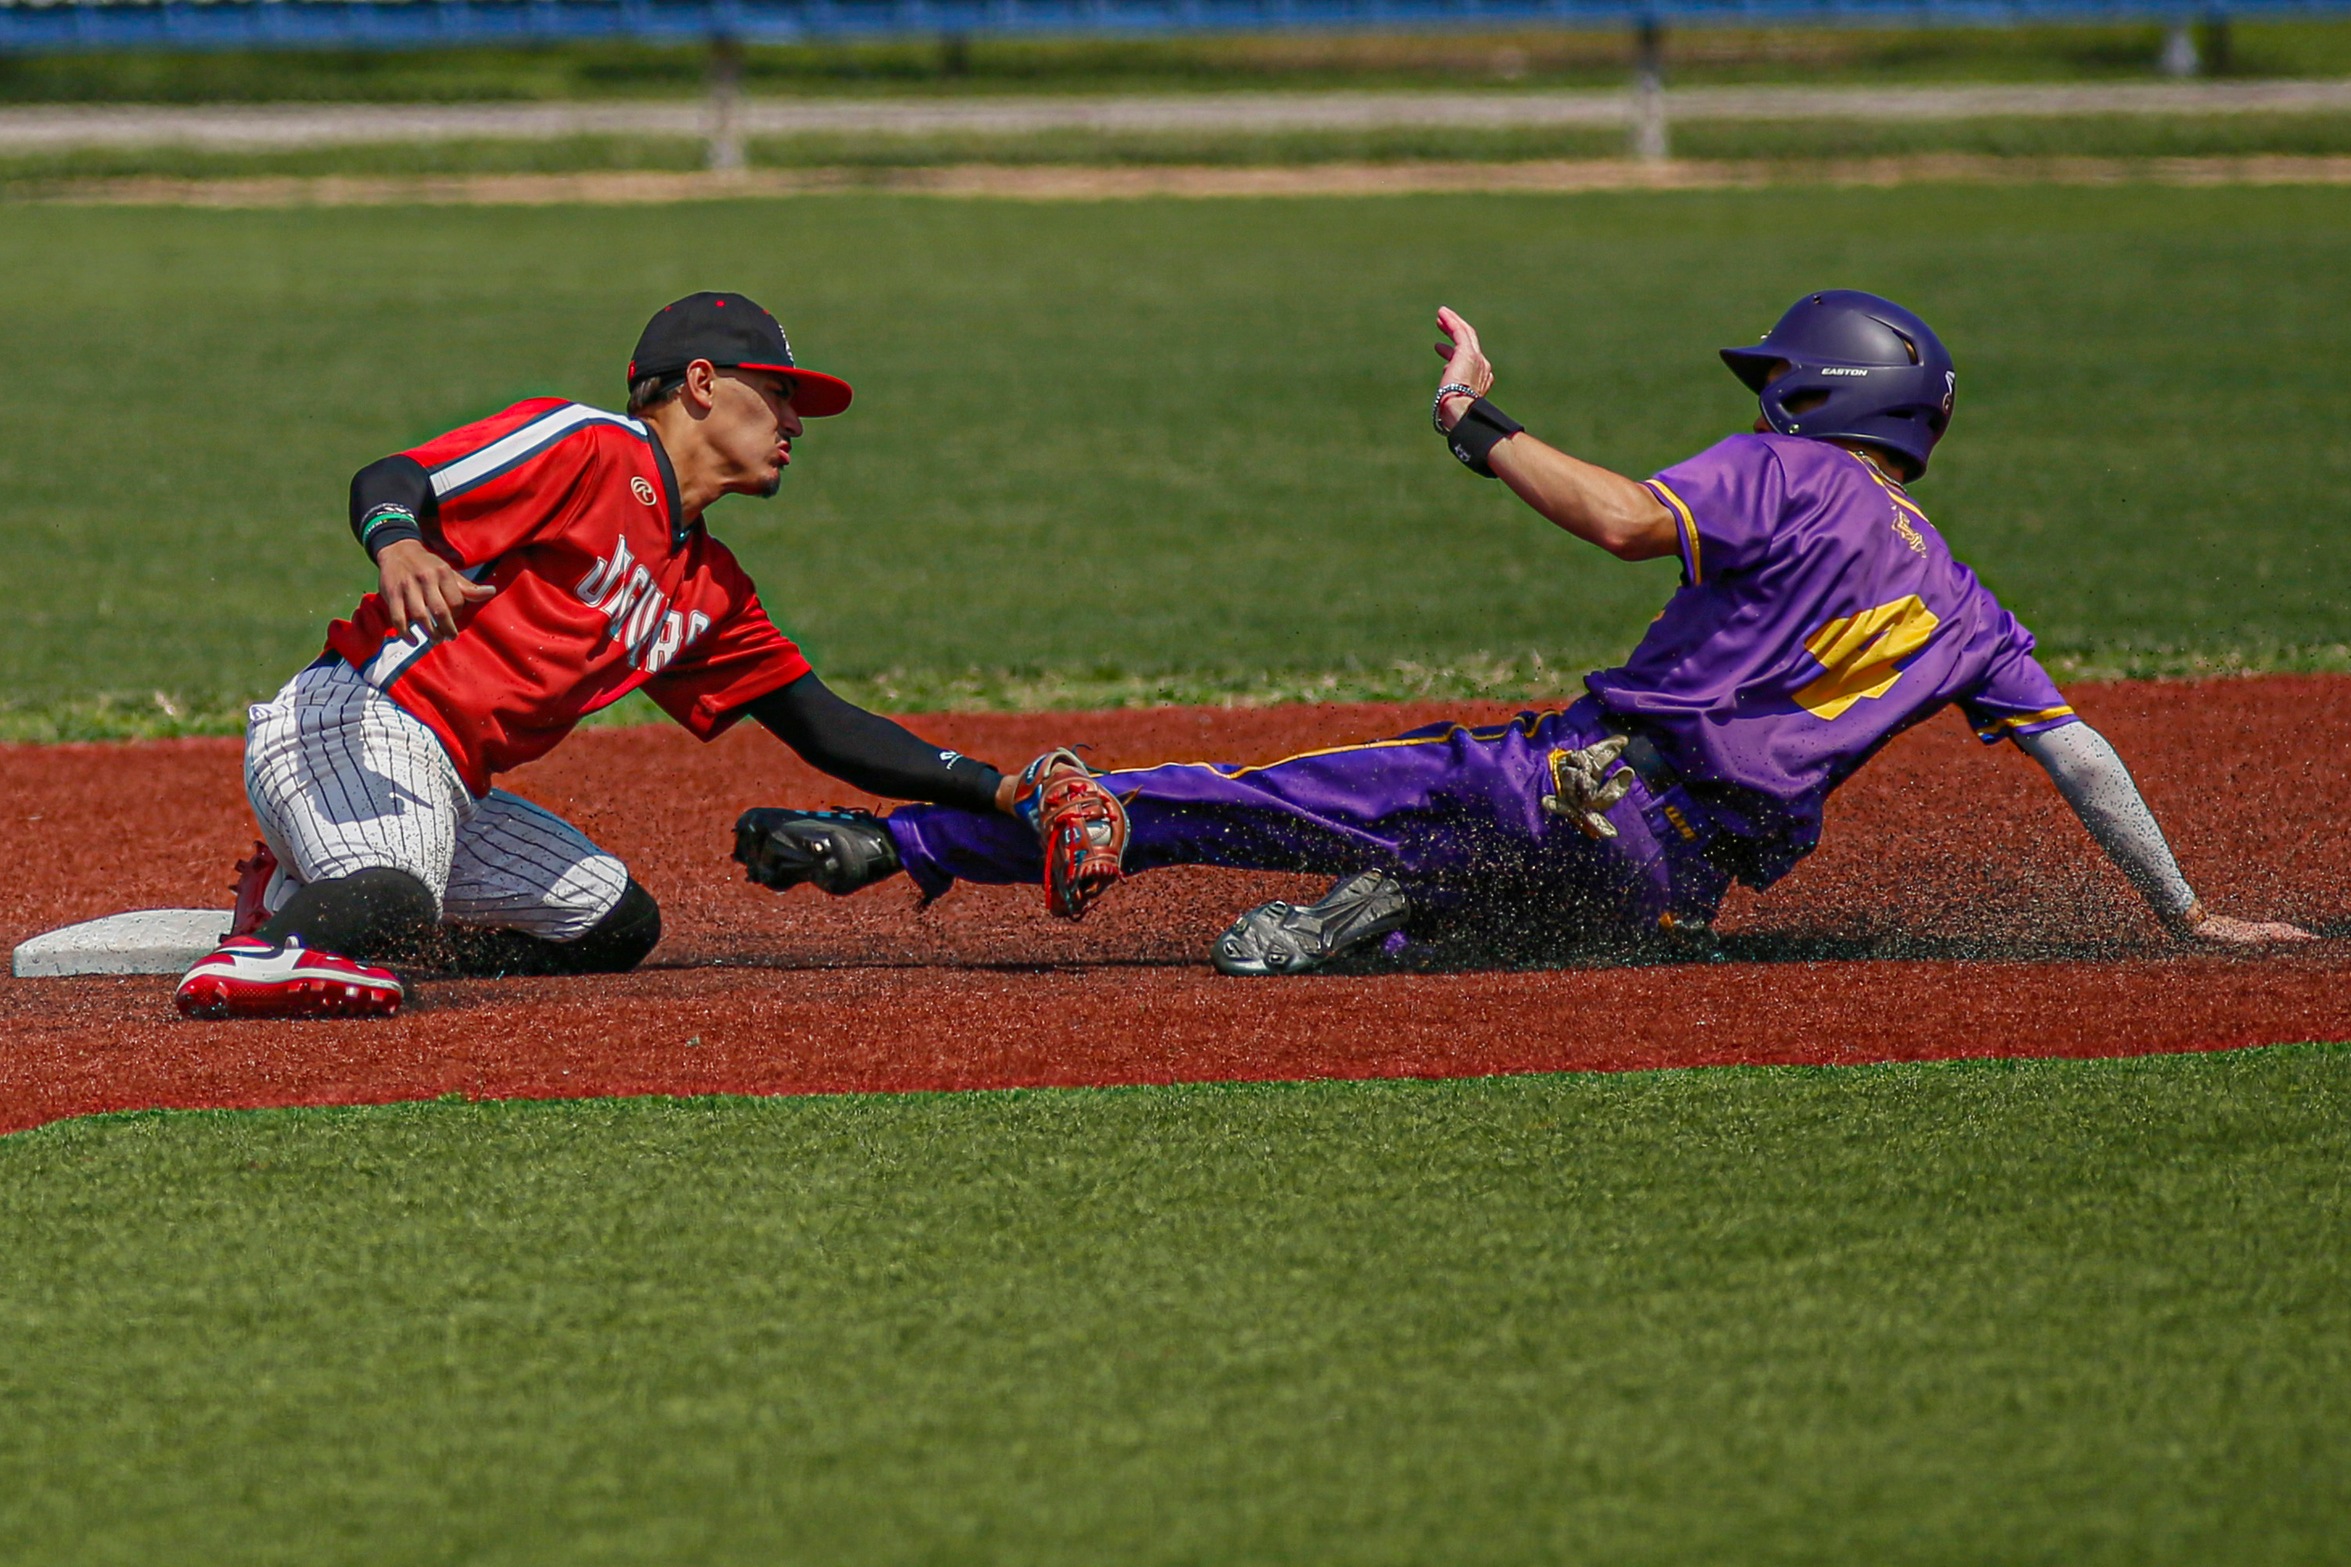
(249,977)
(252,881)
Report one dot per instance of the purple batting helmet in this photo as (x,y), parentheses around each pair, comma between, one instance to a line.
(1869,370)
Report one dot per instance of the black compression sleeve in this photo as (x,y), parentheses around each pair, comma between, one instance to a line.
(391,499)
(836,736)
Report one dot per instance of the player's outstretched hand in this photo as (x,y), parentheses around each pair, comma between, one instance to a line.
(1465,364)
(2221,931)
(422,589)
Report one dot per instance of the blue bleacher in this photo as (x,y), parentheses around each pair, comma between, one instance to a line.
(49,26)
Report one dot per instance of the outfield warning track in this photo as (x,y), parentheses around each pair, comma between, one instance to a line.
(1955,910)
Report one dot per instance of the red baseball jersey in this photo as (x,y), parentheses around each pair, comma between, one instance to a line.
(572,514)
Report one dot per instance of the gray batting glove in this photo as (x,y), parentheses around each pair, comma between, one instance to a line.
(1585,789)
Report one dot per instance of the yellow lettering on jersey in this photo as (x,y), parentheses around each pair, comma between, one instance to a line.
(1858,654)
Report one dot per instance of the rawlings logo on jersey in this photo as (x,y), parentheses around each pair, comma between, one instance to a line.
(651,634)
(642,488)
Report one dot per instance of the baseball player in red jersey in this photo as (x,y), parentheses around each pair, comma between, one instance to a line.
(534,567)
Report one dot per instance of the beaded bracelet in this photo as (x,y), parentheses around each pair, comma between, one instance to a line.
(1437,407)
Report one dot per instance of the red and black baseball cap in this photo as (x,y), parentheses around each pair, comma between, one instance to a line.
(733,334)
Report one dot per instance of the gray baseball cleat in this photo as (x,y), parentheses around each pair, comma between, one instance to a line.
(1279,938)
(840,851)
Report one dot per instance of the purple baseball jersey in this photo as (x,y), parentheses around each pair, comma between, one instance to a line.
(1820,615)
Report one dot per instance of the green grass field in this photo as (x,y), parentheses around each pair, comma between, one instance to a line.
(1203,424)
(2042,1312)
(2039,1312)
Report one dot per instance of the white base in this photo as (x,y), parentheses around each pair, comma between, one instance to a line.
(143,941)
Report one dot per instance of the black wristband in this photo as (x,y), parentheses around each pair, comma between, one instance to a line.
(1481,429)
(391,499)
(387,525)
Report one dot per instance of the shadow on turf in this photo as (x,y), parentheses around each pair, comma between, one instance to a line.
(1453,954)
(1773,948)
(1780,946)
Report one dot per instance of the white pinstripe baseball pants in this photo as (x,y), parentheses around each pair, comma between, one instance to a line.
(344,779)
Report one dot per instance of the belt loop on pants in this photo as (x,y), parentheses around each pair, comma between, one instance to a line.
(1701,846)
(1642,756)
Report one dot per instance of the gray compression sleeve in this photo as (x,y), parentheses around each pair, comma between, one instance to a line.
(2095,783)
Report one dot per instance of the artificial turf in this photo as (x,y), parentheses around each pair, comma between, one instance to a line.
(2016,1312)
(1166,449)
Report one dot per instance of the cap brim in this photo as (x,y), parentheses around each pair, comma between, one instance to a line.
(815,395)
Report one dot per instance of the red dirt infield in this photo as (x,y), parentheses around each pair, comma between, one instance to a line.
(1955,909)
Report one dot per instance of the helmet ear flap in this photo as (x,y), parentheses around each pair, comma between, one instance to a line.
(1787,402)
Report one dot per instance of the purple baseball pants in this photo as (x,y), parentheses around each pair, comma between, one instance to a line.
(1453,812)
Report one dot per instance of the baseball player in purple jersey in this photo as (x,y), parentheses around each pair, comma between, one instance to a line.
(1819,615)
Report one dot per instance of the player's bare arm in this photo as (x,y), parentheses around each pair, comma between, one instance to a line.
(1602,508)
